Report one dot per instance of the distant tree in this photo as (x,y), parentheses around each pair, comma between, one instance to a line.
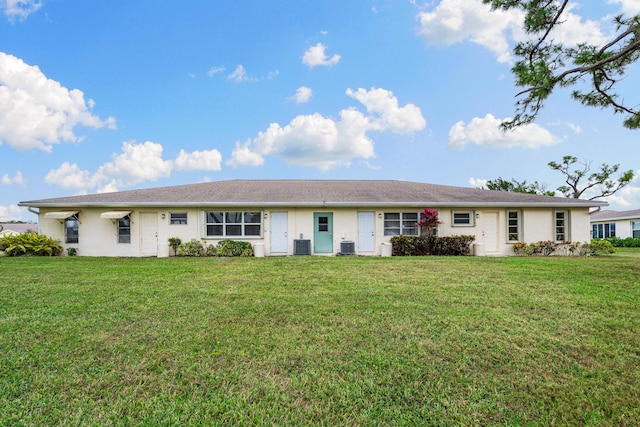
(500,184)
(602,181)
(545,64)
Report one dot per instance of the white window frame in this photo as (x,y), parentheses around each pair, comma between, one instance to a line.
(178,220)
(226,224)
(635,229)
(407,224)
(470,222)
(564,228)
(514,226)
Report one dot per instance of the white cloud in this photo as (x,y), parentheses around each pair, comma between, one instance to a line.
(303,94)
(243,156)
(37,112)
(12,213)
(206,160)
(316,55)
(70,177)
(629,7)
(19,8)
(215,70)
(136,163)
(456,21)
(240,75)
(323,142)
(486,132)
(478,182)
(389,114)
(7,180)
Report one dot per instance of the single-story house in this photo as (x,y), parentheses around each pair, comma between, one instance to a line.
(311,217)
(620,224)
(16,228)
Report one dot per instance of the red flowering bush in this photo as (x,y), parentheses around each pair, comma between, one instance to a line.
(428,220)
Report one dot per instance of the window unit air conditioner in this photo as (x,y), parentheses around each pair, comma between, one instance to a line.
(347,248)
(301,247)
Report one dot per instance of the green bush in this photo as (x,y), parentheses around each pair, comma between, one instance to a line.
(431,245)
(29,243)
(225,248)
(229,248)
(629,242)
(600,247)
(192,248)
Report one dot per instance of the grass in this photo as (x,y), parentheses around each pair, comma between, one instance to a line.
(320,341)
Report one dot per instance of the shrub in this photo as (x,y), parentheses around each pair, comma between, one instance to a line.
(629,242)
(72,251)
(192,248)
(29,243)
(601,247)
(229,248)
(174,242)
(431,245)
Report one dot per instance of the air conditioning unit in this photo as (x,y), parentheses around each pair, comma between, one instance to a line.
(301,247)
(347,247)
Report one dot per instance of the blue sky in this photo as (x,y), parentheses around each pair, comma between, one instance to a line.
(110,95)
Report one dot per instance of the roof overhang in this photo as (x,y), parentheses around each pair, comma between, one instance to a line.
(114,214)
(555,203)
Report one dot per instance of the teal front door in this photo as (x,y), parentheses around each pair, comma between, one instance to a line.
(323,232)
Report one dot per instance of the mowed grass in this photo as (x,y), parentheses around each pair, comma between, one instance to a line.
(320,341)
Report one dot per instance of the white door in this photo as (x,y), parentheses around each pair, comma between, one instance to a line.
(149,233)
(366,232)
(489,221)
(278,236)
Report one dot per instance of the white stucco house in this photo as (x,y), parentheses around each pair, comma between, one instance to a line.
(311,217)
(620,224)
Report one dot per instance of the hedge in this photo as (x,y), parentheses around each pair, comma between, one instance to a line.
(431,245)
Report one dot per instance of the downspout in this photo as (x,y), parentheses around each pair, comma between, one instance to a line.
(30,209)
(598,209)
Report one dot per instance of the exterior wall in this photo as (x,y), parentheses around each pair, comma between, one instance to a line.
(98,236)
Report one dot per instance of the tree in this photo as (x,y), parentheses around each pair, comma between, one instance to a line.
(545,64)
(500,184)
(602,180)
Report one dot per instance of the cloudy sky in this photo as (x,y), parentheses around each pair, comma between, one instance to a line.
(110,95)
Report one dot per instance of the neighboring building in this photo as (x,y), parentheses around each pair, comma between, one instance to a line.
(294,217)
(13,228)
(620,224)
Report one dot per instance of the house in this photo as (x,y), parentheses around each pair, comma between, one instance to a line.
(16,228)
(620,224)
(295,217)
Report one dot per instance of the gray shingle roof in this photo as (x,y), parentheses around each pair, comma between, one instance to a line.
(310,193)
(613,215)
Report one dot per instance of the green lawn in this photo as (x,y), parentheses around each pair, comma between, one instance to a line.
(323,341)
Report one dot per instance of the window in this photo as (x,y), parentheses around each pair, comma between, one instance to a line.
(513,226)
(124,230)
(401,223)
(178,218)
(635,229)
(71,229)
(233,224)
(462,219)
(562,226)
(602,231)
